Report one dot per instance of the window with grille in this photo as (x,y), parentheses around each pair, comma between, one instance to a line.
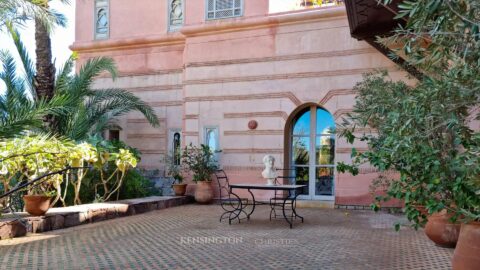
(218,9)
(102,19)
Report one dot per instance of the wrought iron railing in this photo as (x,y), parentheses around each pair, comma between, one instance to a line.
(292,5)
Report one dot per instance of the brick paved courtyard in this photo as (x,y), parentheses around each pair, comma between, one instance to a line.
(190,237)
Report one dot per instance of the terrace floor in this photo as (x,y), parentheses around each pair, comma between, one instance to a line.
(190,237)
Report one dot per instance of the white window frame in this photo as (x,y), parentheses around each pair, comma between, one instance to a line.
(174,28)
(242,9)
(217,141)
(99,4)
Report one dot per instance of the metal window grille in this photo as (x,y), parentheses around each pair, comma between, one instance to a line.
(219,9)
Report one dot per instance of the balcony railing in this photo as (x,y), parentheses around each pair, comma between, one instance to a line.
(276,6)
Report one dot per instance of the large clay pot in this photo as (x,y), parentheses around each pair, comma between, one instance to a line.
(179,189)
(204,192)
(441,230)
(37,205)
(467,252)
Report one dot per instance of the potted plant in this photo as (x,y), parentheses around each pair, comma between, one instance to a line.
(466,255)
(28,158)
(174,170)
(425,130)
(201,162)
(421,141)
(38,199)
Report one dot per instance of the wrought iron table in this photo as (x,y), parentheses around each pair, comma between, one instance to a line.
(291,198)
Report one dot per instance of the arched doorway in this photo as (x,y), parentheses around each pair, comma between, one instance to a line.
(311,151)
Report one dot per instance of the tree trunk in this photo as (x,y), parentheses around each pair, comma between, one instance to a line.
(45,77)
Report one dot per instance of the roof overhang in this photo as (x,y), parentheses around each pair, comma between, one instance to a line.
(369,19)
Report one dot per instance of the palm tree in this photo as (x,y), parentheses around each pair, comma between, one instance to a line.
(77,111)
(45,76)
(19,11)
(19,111)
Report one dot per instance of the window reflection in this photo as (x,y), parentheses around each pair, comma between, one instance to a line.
(325,122)
(102,21)
(302,124)
(176,148)
(212,139)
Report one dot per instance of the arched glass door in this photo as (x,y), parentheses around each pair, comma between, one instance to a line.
(313,152)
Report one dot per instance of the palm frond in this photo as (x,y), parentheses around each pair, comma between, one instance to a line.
(28,65)
(19,11)
(122,99)
(91,69)
(64,76)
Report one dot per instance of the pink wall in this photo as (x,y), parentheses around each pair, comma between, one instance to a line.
(84,17)
(127,19)
(227,72)
(147,17)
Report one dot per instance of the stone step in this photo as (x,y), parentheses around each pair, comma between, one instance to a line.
(315,204)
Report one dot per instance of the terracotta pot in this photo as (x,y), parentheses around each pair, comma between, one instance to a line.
(441,231)
(204,192)
(467,252)
(179,189)
(37,205)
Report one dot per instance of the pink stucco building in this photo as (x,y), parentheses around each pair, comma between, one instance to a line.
(211,67)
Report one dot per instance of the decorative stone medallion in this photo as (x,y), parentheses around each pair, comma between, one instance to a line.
(253,124)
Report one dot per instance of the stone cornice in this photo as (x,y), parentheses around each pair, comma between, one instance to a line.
(209,28)
(128,43)
(243,24)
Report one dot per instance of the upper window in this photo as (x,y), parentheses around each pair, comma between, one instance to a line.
(218,9)
(175,14)
(102,19)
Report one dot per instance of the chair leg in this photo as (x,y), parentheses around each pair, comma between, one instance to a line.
(222,216)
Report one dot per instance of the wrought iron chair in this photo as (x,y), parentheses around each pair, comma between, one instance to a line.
(232,204)
(276,202)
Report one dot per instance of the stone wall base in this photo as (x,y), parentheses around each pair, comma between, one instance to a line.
(366,207)
(64,217)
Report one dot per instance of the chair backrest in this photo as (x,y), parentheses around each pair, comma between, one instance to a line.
(223,183)
(287,177)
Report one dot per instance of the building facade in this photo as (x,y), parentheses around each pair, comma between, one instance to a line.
(241,78)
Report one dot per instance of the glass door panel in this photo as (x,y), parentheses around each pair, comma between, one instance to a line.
(302,178)
(325,123)
(301,150)
(324,181)
(302,125)
(325,150)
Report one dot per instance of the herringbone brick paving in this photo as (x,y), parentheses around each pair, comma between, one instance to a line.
(190,237)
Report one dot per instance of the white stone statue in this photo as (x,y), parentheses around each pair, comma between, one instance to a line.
(269,173)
